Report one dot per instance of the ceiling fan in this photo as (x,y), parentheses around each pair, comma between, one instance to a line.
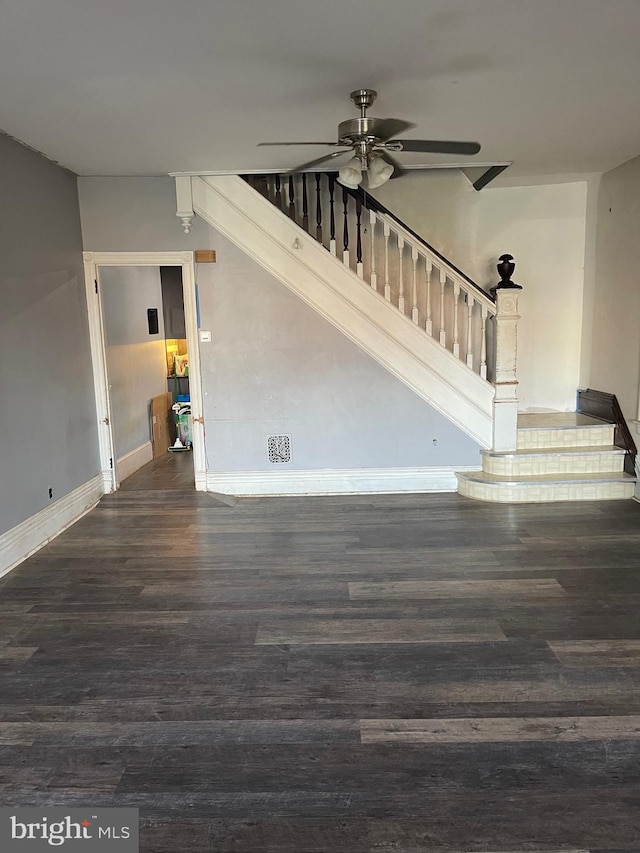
(370,140)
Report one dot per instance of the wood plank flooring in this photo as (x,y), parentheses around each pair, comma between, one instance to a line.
(387,674)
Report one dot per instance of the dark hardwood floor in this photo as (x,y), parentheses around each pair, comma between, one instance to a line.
(338,674)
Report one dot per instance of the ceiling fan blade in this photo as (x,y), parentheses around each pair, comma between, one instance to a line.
(258,144)
(388,127)
(311,163)
(434,146)
(398,171)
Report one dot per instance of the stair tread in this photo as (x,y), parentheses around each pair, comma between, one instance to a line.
(558,420)
(557,451)
(537,479)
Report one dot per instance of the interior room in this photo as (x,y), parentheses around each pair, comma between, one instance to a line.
(319,527)
(147,365)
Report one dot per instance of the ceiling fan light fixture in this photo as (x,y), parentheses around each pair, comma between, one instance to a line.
(351,173)
(370,140)
(379,172)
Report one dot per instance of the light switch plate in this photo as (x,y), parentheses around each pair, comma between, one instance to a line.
(205,337)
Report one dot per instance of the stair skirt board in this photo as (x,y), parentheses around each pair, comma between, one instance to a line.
(32,534)
(343,481)
(594,487)
(321,280)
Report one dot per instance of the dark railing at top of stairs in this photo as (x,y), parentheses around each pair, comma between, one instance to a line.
(363,201)
(371,203)
(600,404)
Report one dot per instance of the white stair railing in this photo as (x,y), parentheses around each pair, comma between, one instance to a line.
(477,332)
(383,242)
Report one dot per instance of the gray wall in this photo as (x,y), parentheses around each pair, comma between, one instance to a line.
(135,215)
(274,366)
(47,417)
(615,339)
(136,360)
(441,206)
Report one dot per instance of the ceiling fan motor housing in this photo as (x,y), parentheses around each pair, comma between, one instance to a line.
(358,129)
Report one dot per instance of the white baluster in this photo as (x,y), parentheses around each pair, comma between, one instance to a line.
(400,275)
(414,286)
(443,334)
(456,299)
(470,304)
(483,343)
(373,277)
(387,286)
(429,323)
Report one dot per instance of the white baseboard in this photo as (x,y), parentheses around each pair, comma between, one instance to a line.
(344,481)
(28,537)
(130,462)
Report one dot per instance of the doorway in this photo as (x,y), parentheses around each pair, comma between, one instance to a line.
(120,432)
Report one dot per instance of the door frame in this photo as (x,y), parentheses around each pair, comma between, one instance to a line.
(92,263)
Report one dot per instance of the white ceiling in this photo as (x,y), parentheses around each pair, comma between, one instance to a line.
(120,87)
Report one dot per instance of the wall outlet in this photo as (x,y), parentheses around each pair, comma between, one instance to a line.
(50,493)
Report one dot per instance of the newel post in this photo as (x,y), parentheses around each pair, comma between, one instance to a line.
(505,402)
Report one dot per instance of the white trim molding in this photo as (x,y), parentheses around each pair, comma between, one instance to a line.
(342,481)
(92,263)
(28,537)
(134,459)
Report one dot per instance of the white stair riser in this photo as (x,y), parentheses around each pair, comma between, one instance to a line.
(544,492)
(541,439)
(540,464)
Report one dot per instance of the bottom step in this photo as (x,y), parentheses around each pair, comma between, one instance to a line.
(543,489)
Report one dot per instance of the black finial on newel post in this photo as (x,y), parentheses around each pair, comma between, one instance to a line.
(505,269)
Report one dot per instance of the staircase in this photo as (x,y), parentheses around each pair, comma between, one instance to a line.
(559,457)
(374,280)
(418,315)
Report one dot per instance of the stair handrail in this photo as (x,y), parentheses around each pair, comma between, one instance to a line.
(605,406)
(496,340)
(369,202)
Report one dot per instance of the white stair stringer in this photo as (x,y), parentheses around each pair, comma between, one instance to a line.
(321,280)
